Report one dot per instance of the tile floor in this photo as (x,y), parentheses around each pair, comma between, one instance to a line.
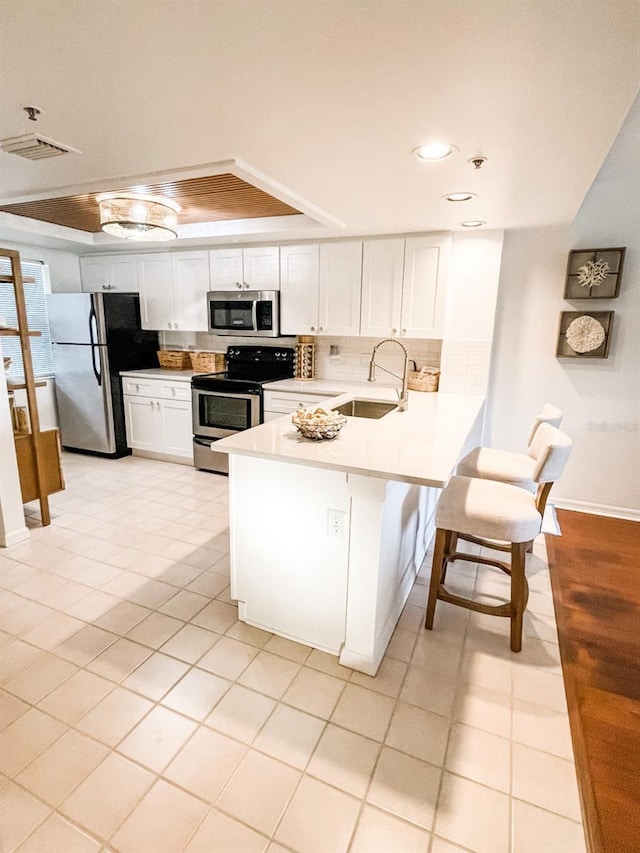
(138,715)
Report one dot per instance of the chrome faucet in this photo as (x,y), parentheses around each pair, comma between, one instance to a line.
(403,396)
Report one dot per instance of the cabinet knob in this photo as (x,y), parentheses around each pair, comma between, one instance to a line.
(239,284)
(107,287)
(394,331)
(404,331)
(320,328)
(312,328)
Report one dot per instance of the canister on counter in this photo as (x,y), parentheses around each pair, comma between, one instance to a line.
(305,357)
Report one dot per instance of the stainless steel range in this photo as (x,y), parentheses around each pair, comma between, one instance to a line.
(227,403)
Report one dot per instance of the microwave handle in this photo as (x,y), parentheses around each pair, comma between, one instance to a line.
(254,315)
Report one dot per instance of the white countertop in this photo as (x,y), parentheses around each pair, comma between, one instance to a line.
(421,445)
(160,373)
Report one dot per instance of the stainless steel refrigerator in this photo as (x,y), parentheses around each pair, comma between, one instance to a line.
(94,336)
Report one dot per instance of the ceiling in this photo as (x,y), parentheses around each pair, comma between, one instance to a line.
(319,103)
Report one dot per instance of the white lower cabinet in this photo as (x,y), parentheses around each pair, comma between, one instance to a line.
(158,417)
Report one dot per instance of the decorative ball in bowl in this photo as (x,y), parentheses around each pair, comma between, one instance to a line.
(318,423)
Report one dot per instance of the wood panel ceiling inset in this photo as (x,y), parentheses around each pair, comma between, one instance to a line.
(211,199)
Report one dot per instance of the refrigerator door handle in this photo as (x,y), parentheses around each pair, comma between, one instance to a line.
(93,326)
(95,350)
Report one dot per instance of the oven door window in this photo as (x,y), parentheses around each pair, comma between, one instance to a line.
(217,412)
(232,315)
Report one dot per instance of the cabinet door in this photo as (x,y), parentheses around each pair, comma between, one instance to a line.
(299,277)
(124,274)
(95,274)
(190,286)
(156,292)
(176,429)
(382,268)
(426,263)
(261,266)
(340,286)
(225,267)
(141,422)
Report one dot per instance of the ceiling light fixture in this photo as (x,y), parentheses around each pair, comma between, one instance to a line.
(459,196)
(434,151)
(473,223)
(138,217)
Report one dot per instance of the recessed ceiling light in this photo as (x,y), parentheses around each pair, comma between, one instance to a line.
(459,196)
(434,151)
(473,223)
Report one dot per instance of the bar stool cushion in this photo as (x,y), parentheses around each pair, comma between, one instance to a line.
(489,510)
(489,463)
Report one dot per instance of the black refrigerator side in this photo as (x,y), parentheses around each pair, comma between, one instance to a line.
(128,347)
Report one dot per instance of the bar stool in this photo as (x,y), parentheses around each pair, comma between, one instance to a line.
(490,463)
(498,516)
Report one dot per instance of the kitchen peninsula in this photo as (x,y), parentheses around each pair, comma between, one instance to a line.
(327,536)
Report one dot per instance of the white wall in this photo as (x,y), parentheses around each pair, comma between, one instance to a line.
(472,290)
(64,267)
(600,397)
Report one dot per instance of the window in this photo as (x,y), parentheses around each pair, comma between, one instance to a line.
(37,318)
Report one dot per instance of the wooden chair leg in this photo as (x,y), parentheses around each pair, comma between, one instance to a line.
(518,593)
(436,575)
(451,543)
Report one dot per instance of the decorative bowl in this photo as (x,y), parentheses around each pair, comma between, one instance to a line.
(318,424)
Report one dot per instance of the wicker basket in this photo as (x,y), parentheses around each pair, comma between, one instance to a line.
(208,362)
(174,359)
(423,380)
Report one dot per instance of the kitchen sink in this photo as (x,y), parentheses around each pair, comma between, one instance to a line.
(365,408)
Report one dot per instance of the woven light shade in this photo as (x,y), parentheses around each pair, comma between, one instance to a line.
(138,217)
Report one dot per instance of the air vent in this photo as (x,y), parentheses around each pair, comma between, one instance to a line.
(35,147)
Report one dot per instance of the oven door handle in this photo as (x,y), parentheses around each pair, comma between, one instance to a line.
(203,442)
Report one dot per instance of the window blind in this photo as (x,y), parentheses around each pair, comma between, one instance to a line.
(37,319)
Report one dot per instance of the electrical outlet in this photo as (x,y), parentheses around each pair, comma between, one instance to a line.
(336,520)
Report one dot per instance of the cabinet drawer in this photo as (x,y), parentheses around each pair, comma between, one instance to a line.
(158,388)
(140,387)
(284,403)
(175,390)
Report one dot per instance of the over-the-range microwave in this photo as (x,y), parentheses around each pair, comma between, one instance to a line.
(249,312)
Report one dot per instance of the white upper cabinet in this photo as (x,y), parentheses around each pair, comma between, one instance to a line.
(190,286)
(117,274)
(261,266)
(156,291)
(299,279)
(225,266)
(426,265)
(382,271)
(339,288)
(404,286)
(256,268)
(173,291)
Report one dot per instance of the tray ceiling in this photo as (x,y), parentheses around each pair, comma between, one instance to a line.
(211,199)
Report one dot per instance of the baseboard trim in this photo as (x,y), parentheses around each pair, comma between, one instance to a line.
(16,536)
(627,513)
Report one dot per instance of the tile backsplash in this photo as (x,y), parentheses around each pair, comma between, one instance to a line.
(351,362)
(464,367)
